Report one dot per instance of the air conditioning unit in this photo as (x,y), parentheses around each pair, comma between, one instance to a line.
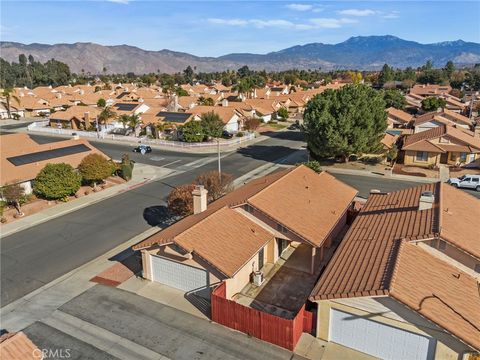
(257,278)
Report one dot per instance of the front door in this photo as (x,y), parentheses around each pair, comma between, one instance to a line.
(444,158)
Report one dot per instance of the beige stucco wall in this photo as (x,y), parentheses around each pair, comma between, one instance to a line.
(167,252)
(410,159)
(388,311)
(456,254)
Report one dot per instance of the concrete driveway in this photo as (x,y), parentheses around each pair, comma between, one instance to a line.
(106,322)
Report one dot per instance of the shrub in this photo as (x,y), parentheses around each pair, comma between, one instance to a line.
(57,181)
(95,168)
(282,113)
(126,168)
(240,134)
(252,124)
(14,194)
(180,200)
(217,186)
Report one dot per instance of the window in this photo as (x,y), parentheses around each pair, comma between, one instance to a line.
(463,157)
(475,180)
(442,245)
(422,156)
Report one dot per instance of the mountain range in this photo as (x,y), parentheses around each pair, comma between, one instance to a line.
(361,52)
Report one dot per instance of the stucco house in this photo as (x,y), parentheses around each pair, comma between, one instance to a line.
(397,118)
(404,281)
(441,117)
(443,144)
(75,117)
(243,231)
(231,118)
(21,158)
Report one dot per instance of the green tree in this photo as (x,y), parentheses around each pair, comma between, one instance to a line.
(57,181)
(433,103)
(106,114)
(180,200)
(188,73)
(205,101)
(394,98)
(386,75)
(314,165)
(101,103)
(283,113)
(449,69)
(95,168)
(212,124)
(124,119)
(192,131)
(7,93)
(351,120)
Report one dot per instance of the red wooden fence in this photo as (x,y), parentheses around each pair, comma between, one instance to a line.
(267,327)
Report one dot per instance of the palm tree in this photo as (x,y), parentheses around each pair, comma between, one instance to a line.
(134,123)
(125,120)
(7,94)
(106,114)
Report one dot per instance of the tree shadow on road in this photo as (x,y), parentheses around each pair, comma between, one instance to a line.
(158,215)
(273,154)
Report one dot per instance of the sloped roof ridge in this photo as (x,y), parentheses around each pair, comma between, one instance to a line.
(277,180)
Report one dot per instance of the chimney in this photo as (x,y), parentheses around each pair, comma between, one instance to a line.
(426,200)
(199,199)
(224,102)
(86,117)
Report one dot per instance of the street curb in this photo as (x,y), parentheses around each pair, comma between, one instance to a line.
(4,234)
(386,177)
(105,256)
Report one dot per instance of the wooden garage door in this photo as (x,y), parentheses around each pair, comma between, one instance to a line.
(379,340)
(179,276)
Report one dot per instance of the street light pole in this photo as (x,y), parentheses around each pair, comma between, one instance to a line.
(219,165)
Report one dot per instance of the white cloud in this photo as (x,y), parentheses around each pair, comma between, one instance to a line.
(300,7)
(331,23)
(125,2)
(357,12)
(232,22)
(392,15)
(309,24)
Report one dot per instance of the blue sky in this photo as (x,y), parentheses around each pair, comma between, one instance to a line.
(212,28)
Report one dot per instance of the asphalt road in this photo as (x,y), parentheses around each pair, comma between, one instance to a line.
(40,254)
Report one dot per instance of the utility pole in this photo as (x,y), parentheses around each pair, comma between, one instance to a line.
(219,165)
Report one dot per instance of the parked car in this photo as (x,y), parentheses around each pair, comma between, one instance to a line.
(466,181)
(294,127)
(143,149)
(226,134)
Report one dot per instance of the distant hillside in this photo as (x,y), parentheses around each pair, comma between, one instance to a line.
(362,52)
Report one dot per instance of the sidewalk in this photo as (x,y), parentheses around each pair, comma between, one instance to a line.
(135,141)
(333,170)
(142,174)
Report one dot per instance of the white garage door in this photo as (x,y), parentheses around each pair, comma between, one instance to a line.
(377,339)
(180,276)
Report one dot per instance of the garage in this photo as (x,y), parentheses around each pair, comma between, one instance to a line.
(379,340)
(180,276)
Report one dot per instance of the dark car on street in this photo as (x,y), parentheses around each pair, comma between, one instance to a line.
(226,134)
(143,149)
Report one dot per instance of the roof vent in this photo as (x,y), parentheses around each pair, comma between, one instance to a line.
(426,200)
